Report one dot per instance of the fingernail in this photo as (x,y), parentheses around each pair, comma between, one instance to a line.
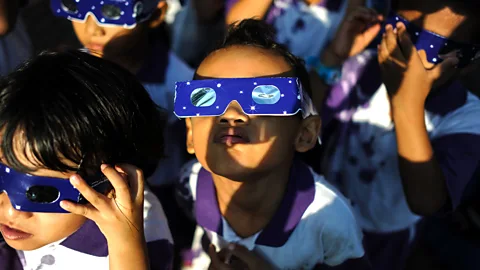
(64,204)
(74,180)
(103,167)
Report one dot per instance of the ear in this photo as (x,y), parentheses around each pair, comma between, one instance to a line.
(158,15)
(308,133)
(190,148)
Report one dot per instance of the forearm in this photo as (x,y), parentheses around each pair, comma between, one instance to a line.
(246,9)
(319,88)
(127,255)
(422,178)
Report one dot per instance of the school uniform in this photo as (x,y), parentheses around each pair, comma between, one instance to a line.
(313,227)
(87,247)
(362,158)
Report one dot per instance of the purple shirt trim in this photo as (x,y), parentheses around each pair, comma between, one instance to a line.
(88,239)
(160,253)
(299,195)
(459,157)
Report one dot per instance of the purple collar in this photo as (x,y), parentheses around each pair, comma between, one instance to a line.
(88,239)
(298,197)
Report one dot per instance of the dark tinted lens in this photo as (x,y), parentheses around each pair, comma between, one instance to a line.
(42,194)
(69,6)
(111,12)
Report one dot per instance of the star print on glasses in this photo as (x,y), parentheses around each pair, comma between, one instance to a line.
(126,13)
(31,193)
(257,96)
(435,45)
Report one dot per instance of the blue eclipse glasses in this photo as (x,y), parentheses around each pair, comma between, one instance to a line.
(32,193)
(126,13)
(435,45)
(257,96)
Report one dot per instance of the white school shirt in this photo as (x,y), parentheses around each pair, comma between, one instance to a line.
(313,225)
(87,248)
(363,159)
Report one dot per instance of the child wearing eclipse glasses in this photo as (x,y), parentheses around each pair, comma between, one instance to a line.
(63,115)
(248,111)
(132,33)
(407,145)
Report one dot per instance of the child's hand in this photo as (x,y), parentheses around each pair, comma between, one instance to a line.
(236,257)
(356,32)
(407,80)
(119,215)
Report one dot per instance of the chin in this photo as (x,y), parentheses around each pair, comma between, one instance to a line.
(25,245)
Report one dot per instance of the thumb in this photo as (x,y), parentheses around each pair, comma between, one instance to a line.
(245,255)
(371,33)
(444,70)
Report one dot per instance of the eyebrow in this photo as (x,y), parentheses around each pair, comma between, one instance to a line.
(290,73)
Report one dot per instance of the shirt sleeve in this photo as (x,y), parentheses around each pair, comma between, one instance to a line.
(341,237)
(459,158)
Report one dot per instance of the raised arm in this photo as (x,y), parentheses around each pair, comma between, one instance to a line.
(246,9)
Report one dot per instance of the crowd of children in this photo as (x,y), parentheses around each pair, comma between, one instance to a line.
(242,134)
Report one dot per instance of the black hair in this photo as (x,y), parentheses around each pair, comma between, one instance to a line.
(257,33)
(75,107)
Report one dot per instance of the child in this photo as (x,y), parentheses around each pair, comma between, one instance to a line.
(15,46)
(304,26)
(244,126)
(407,146)
(132,34)
(63,115)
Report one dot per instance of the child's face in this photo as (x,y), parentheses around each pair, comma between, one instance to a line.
(110,40)
(236,145)
(36,229)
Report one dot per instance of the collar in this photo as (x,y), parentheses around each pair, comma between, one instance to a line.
(88,239)
(299,195)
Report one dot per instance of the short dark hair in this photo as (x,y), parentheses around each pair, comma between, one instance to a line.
(258,33)
(74,106)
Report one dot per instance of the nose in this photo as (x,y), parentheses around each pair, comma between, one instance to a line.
(234,116)
(8,211)
(92,28)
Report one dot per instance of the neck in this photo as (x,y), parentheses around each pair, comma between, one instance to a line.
(248,206)
(133,58)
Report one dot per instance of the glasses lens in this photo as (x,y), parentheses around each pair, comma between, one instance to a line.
(42,194)
(203,97)
(111,12)
(69,6)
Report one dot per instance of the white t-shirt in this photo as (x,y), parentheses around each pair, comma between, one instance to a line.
(313,225)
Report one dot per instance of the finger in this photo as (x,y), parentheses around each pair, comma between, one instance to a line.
(245,255)
(87,211)
(445,70)
(122,192)
(392,44)
(383,54)
(97,200)
(136,180)
(216,263)
(406,45)
(371,33)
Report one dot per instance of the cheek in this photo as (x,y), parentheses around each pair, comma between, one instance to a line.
(79,29)
(58,226)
